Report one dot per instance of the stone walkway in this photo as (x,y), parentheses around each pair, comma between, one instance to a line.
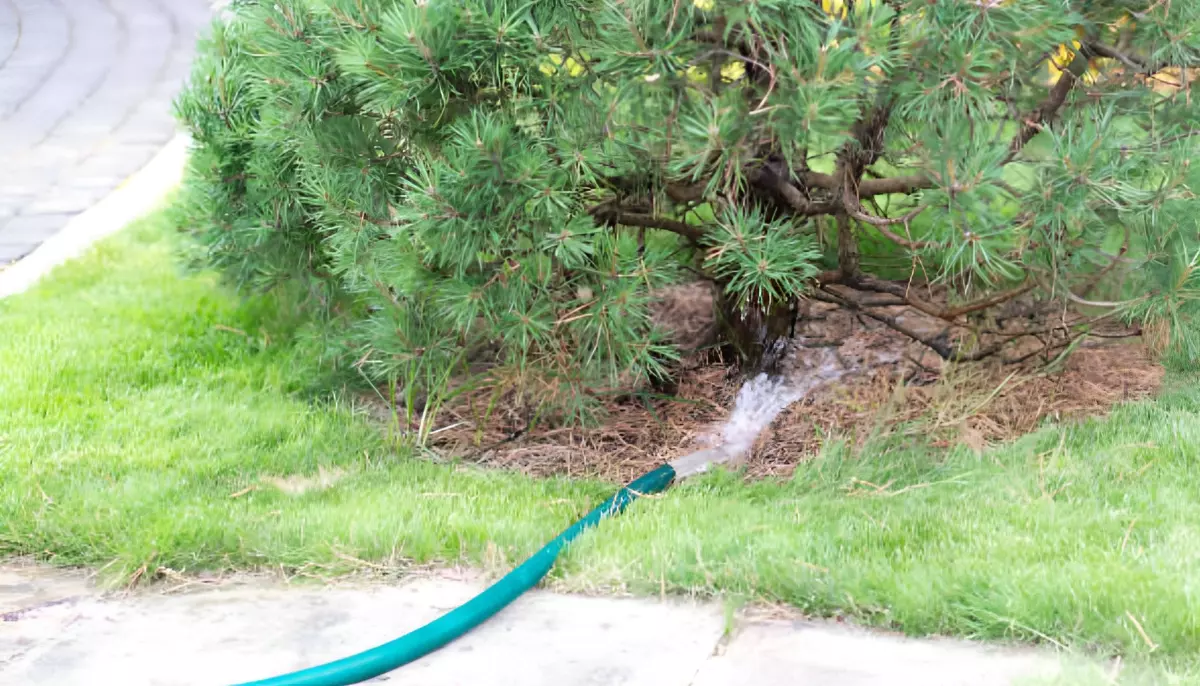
(57,630)
(85,100)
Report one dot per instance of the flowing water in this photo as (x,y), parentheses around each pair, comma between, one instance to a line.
(758,402)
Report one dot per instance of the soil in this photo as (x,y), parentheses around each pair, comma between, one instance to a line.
(893,385)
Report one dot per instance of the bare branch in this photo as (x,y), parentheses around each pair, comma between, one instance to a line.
(1041,330)
(1068,341)
(1138,65)
(1102,50)
(991,301)
(1041,115)
(882,223)
(814,179)
(766,178)
(871,187)
(693,233)
(938,344)
(685,192)
(796,200)
(948,314)
(1103,303)
(893,185)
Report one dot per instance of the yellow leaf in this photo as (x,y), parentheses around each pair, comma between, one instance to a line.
(704,5)
(732,71)
(834,8)
(1059,61)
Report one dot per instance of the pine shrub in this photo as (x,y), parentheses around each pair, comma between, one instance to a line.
(500,187)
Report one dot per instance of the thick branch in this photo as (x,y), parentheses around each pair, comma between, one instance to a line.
(646,221)
(891,185)
(1138,65)
(871,187)
(796,199)
(1102,50)
(774,179)
(1041,115)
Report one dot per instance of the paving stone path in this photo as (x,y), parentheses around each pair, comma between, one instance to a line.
(85,100)
(57,629)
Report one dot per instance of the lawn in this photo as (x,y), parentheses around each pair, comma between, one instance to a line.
(145,414)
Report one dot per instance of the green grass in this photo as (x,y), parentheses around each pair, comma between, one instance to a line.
(136,401)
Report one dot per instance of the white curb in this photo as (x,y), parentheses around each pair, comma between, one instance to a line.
(136,196)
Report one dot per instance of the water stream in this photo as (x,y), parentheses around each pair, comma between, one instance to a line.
(758,402)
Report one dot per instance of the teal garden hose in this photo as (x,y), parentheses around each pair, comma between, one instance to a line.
(420,642)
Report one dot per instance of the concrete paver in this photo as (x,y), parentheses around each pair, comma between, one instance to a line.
(85,93)
(804,652)
(55,629)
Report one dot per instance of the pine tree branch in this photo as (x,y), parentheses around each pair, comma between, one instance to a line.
(793,197)
(1102,50)
(882,224)
(1138,65)
(1041,115)
(893,185)
(693,233)
(871,187)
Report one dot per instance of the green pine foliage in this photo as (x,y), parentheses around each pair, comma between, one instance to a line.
(501,186)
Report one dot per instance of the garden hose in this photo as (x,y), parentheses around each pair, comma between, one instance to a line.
(420,642)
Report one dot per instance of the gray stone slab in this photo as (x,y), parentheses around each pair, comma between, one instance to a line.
(9,31)
(8,254)
(811,653)
(59,630)
(233,635)
(189,15)
(117,159)
(145,125)
(106,183)
(32,229)
(65,200)
(16,197)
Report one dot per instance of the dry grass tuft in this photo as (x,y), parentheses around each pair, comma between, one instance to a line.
(299,484)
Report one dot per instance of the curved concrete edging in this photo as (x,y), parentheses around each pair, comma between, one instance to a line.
(136,196)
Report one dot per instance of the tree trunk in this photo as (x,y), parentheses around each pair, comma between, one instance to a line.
(756,336)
